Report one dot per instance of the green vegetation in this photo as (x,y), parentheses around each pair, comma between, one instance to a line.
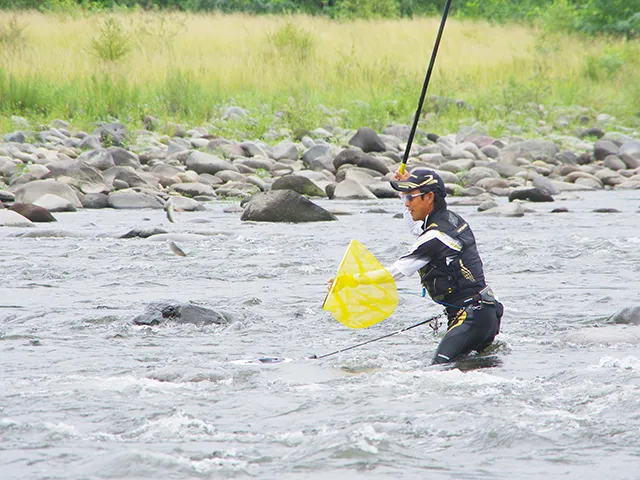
(589,16)
(294,73)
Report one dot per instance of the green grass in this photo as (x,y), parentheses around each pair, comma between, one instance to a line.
(297,73)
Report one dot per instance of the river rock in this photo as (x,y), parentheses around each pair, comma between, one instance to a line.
(360,159)
(32,191)
(627,315)
(123,158)
(530,194)
(6,196)
(54,203)
(382,190)
(111,134)
(285,150)
(284,206)
(478,173)
(314,153)
(35,213)
(302,185)
(614,163)
(201,162)
(193,189)
(350,189)
(368,140)
(9,218)
(603,148)
(534,148)
(143,232)
(544,186)
(510,210)
(130,199)
(184,204)
(162,312)
(95,200)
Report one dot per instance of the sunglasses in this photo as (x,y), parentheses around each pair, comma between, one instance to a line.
(407,197)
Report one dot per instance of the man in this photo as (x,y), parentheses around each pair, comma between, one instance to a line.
(446,256)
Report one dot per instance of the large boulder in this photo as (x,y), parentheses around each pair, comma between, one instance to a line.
(284,206)
(9,218)
(300,184)
(34,213)
(368,140)
(54,203)
(32,191)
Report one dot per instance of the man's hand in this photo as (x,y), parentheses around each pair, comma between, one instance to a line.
(397,176)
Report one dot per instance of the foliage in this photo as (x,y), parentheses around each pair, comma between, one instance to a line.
(113,43)
(292,43)
(12,37)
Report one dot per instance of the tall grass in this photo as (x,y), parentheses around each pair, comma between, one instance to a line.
(299,72)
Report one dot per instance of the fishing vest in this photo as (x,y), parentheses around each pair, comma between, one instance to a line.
(452,276)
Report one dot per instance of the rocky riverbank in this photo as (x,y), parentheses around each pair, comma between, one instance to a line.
(61,169)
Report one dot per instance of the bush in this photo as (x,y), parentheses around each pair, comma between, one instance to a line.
(113,43)
(292,43)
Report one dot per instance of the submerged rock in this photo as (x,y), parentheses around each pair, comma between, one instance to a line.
(161,312)
(628,315)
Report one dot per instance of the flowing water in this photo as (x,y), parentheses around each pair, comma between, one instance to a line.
(86,394)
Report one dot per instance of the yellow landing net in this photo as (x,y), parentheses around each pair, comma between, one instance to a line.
(363,291)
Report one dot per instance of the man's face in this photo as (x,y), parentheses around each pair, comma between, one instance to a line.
(419,204)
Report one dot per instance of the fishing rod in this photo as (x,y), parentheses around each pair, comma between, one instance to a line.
(435,317)
(412,133)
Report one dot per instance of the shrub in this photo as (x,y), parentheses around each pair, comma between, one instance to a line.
(292,42)
(113,43)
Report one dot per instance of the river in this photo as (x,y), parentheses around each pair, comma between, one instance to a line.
(86,394)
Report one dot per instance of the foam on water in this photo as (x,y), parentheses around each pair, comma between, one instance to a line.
(86,394)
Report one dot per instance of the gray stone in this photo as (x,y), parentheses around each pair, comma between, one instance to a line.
(9,218)
(382,189)
(284,206)
(509,210)
(603,148)
(124,158)
(367,140)
(301,185)
(201,162)
(54,203)
(530,194)
(130,199)
(193,189)
(95,200)
(314,153)
(162,312)
(350,189)
(360,159)
(614,163)
(32,191)
(477,173)
(544,186)
(286,149)
(627,316)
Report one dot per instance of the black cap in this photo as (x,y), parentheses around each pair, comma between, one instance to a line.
(423,180)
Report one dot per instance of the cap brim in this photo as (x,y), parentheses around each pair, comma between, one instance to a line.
(403,186)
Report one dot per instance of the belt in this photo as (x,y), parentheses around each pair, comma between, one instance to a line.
(483,296)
